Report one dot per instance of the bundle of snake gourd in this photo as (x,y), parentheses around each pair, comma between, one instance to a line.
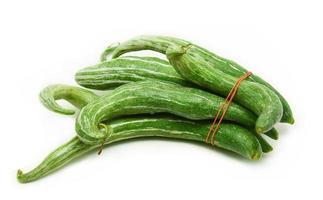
(173,98)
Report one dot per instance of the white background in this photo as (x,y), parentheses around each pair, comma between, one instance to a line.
(44,42)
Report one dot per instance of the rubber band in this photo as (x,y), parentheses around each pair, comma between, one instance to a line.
(223,108)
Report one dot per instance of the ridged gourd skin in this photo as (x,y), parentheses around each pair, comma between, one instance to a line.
(254,96)
(230,137)
(161,43)
(80,97)
(76,95)
(116,72)
(122,70)
(153,97)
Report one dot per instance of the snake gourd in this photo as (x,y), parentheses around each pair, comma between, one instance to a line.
(229,67)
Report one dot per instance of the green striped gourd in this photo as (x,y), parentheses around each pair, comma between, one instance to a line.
(161,43)
(254,96)
(153,97)
(119,71)
(230,136)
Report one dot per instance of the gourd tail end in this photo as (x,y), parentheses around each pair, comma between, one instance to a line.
(108,51)
(256,156)
(20,176)
(176,50)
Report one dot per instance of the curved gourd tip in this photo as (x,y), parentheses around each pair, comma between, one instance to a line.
(276,137)
(48,98)
(273,134)
(95,135)
(177,50)
(107,130)
(59,109)
(53,106)
(65,111)
(109,51)
(291,120)
(256,156)
(268,149)
(20,176)
(259,130)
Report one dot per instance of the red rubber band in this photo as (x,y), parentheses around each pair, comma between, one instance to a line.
(212,132)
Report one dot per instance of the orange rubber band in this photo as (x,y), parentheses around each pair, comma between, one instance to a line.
(212,132)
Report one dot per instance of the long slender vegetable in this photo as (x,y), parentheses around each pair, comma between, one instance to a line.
(119,71)
(123,70)
(230,136)
(74,95)
(253,96)
(161,43)
(150,90)
(153,97)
